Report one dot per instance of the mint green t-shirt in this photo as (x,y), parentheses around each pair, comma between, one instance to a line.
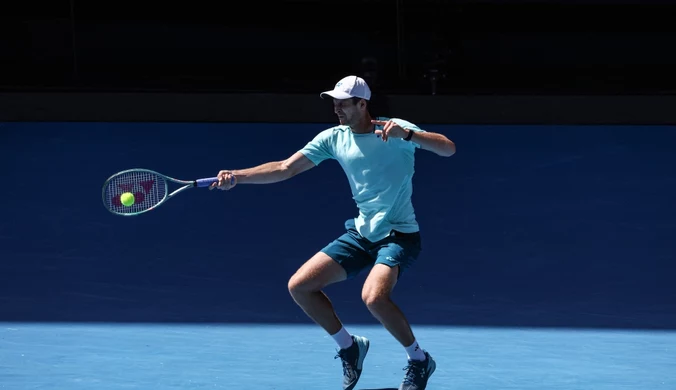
(380,176)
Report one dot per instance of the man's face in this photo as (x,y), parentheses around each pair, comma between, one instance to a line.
(349,111)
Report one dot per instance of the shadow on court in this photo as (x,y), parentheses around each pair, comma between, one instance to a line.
(384,388)
(526,226)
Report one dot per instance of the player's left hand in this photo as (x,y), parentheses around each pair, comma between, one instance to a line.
(390,129)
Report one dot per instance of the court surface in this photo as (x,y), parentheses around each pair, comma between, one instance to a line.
(257,357)
(548,262)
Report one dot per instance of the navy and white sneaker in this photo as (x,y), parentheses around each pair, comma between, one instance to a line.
(353,361)
(418,373)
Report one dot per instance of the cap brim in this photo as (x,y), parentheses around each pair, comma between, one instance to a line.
(336,94)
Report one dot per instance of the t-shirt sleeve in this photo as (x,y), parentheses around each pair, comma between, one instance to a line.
(320,148)
(408,126)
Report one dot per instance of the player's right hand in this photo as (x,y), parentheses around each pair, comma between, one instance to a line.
(226,181)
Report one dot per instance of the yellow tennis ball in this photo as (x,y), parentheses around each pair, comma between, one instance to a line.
(127,199)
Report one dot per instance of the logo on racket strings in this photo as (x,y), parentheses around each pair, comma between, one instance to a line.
(139,196)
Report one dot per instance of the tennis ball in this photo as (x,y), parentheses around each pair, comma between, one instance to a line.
(127,199)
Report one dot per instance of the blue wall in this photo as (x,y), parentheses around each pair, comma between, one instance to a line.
(524,226)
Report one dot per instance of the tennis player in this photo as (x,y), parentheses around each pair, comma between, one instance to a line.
(377,155)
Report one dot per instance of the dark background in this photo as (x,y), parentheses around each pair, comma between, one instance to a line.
(473,47)
(524,226)
(557,210)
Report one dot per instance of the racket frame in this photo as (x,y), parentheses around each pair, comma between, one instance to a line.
(185,184)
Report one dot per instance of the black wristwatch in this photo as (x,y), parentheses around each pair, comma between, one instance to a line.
(410,134)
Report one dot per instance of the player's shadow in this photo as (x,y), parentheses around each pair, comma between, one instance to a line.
(384,388)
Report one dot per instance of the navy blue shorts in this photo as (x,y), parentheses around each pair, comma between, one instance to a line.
(355,253)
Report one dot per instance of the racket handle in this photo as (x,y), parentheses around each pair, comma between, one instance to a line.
(206,182)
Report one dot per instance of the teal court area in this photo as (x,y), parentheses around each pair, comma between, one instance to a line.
(547,262)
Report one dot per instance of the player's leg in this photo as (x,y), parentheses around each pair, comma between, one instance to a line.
(394,255)
(306,285)
(376,295)
(341,259)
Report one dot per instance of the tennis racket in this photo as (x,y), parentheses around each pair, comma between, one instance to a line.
(148,189)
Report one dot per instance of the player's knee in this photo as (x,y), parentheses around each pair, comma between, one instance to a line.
(299,284)
(374,298)
(295,285)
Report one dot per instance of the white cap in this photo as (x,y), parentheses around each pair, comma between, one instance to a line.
(349,87)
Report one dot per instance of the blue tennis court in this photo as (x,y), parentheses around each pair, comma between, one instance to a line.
(547,263)
(221,356)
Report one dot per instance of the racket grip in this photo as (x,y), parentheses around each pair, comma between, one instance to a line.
(206,182)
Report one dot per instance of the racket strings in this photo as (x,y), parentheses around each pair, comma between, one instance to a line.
(147,188)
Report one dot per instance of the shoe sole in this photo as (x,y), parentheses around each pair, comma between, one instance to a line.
(433,366)
(363,342)
(431,369)
(362,354)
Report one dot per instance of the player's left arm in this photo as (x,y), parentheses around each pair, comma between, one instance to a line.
(428,140)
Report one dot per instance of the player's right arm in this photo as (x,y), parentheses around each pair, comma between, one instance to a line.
(271,172)
(311,155)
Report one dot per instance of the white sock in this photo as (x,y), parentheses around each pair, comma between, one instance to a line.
(414,352)
(343,339)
